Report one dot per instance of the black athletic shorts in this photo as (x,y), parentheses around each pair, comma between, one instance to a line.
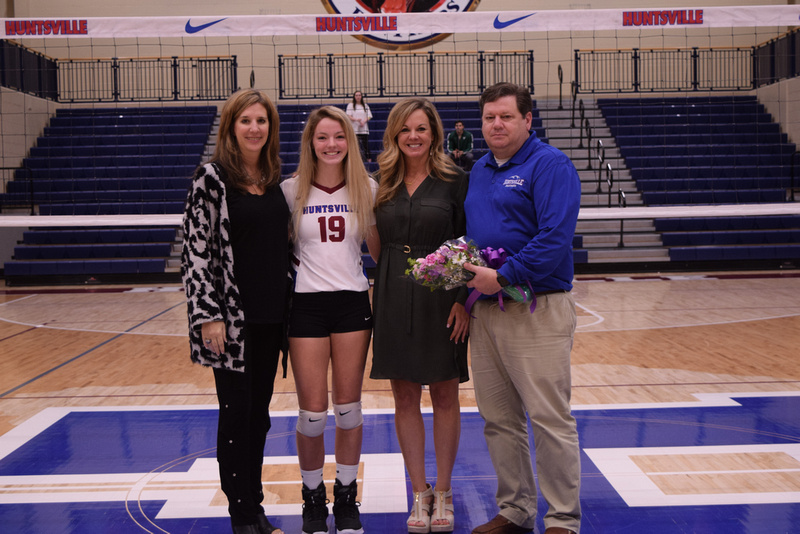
(325,313)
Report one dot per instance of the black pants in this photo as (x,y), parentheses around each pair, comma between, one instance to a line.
(363,142)
(244,421)
(464,160)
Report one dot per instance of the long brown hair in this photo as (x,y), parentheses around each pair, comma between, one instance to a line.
(228,155)
(363,102)
(391,163)
(356,176)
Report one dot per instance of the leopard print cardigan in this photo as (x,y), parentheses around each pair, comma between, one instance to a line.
(207,270)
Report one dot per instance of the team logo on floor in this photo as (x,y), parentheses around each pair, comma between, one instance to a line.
(399,41)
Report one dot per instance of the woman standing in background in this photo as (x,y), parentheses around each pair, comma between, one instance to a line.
(359,113)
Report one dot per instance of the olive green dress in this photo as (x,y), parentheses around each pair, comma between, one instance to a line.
(411,340)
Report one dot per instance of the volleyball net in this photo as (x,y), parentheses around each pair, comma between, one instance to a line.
(601,79)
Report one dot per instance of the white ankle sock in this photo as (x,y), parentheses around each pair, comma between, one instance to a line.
(312,479)
(346,473)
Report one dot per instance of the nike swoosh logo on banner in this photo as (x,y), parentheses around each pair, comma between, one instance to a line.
(194,29)
(500,25)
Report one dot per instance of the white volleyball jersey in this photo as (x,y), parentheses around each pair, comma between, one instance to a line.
(327,246)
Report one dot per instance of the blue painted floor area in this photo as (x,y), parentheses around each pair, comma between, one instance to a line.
(644,471)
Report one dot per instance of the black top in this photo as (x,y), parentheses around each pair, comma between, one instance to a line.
(411,340)
(260,242)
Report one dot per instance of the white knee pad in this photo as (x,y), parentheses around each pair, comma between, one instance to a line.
(311,424)
(348,415)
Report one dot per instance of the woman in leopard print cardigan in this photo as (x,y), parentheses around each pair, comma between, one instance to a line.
(211,292)
(234,268)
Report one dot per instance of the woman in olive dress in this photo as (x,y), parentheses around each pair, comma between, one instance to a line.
(420,337)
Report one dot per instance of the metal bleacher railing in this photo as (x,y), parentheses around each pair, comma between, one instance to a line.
(401,74)
(27,71)
(397,74)
(687,69)
(141,79)
(156,79)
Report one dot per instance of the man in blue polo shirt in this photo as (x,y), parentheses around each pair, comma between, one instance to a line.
(524,198)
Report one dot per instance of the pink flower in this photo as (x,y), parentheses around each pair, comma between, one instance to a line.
(444,268)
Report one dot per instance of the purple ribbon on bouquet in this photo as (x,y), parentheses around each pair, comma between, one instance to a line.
(495,259)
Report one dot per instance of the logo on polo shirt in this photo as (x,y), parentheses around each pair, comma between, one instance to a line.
(514,181)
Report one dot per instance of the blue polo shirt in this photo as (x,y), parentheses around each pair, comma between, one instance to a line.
(529,207)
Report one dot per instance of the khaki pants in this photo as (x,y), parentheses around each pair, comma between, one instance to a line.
(521,363)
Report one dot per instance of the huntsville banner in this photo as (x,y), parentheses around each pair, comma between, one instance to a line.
(404,23)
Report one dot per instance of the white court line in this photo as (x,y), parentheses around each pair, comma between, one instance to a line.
(690,325)
(599,318)
(36,424)
(17,300)
(89,330)
(638,488)
(679,278)
(704,400)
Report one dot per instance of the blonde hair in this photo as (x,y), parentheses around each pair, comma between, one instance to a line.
(356,177)
(391,163)
(227,153)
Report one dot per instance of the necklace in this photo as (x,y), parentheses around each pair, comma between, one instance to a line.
(256,181)
(414,180)
(418,177)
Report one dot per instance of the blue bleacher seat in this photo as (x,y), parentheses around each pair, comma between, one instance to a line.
(707,150)
(105,161)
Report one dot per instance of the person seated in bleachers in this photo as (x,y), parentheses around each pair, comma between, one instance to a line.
(459,146)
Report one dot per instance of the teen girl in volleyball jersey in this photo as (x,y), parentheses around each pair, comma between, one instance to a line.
(331,198)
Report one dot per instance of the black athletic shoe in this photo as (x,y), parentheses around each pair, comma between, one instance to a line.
(315,510)
(345,508)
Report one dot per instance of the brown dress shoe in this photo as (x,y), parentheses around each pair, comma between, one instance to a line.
(558,530)
(500,525)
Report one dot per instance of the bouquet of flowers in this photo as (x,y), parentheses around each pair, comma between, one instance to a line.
(444,267)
